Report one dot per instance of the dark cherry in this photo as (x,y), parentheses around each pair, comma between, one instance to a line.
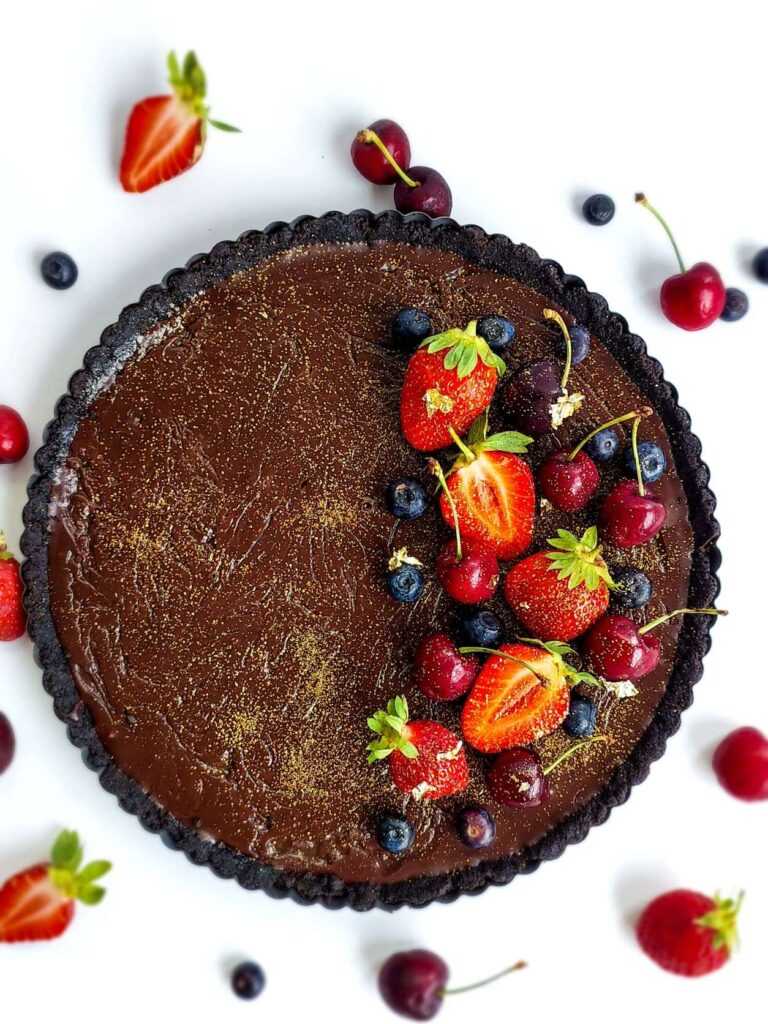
(14,436)
(471,578)
(413,983)
(7,743)
(528,396)
(441,673)
(617,651)
(476,827)
(516,778)
(432,194)
(370,160)
(568,482)
(741,764)
(629,518)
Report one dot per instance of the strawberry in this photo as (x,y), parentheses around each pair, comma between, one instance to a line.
(490,490)
(166,135)
(39,903)
(425,759)
(560,593)
(688,933)
(450,379)
(13,621)
(521,694)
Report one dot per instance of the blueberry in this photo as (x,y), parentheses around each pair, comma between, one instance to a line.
(653,462)
(395,835)
(248,980)
(633,588)
(405,583)
(598,209)
(736,305)
(59,270)
(480,628)
(410,327)
(406,499)
(581,719)
(603,445)
(760,265)
(476,827)
(497,331)
(581,341)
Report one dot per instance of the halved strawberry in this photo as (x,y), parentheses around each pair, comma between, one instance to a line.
(166,134)
(521,694)
(559,594)
(492,489)
(450,379)
(425,759)
(39,903)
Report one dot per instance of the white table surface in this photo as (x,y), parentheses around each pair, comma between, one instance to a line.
(524,113)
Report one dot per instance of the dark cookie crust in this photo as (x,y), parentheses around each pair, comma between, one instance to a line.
(118,344)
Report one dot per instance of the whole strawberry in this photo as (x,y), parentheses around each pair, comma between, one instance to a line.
(450,380)
(559,594)
(425,759)
(688,933)
(13,621)
(39,903)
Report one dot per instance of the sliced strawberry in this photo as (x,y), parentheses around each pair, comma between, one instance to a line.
(425,759)
(512,705)
(450,379)
(165,135)
(39,903)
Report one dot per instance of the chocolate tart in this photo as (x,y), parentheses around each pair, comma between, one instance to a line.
(206,541)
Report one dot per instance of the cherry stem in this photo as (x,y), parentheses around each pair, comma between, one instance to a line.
(636,456)
(641,198)
(465,450)
(570,751)
(503,654)
(366,135)
(552,314)
(437,469)
(680,611)
(637,414)
(486,981)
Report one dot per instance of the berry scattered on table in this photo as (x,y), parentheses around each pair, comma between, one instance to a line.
(13,620)
(7,743)
(480,627)
(425,759)
(405,580)
(14,436)
(248,980)
(694,298)
(440,672)
(394,834)
(58,270)
(39,903)
(741,764)
(166,135)
(469,575)
(651,459)
(498,332)
(598,209)
(633,588)
(425,191)
(688,933)
(406,499)
(374,149)
(581,719)
(476,827)
(760,265)
(736,305)
(409,328)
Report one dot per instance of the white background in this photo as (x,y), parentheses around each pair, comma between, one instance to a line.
(524,110)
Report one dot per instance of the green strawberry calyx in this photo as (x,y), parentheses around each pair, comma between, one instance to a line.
(723,921)
(188,81)
(5,554)
(477,441)
(66,873)
(579,559)
(389,726)
(463,349)
(559,651)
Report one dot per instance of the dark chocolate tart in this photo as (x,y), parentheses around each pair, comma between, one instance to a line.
(205,543)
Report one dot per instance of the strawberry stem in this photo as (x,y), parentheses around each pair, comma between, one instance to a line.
(5,554)
(369,136)
(465,450)
(641,198)
(679,611)
(636,456)
(437,469)
(570,751)
(636,414)
(486,981)
(509,657)
(552,314)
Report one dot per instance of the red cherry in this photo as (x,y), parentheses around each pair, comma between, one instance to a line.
(441,672)
(432,194)
(369,147)
(14,436)
(617,651)
(694,298)
(516,779)
(741,764)
(568,482)
(471,577)
(7,743)
(629,517)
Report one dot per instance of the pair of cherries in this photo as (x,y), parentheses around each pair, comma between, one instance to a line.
(382,154)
